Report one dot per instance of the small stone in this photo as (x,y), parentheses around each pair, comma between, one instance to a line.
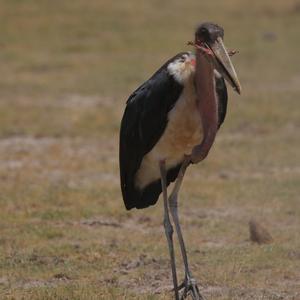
(258,233)
(61,276)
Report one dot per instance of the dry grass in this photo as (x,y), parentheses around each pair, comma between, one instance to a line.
(66,70)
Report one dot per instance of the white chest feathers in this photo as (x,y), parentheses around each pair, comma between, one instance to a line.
(183,132)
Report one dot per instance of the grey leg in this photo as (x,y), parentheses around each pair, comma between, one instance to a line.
(174,212)
(168,227)
(189,284)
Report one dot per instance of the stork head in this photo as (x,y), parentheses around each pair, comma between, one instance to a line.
(209,40)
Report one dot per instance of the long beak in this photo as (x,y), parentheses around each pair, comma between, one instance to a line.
(224,65)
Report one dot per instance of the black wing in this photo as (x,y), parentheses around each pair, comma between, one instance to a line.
(143,123)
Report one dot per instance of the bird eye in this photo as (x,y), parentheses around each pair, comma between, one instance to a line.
(204,30)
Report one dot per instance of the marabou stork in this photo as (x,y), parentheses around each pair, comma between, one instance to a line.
(170,122)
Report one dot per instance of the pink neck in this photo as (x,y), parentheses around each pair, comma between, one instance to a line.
(207,105)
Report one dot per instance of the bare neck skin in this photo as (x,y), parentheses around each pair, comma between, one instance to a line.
(207,105)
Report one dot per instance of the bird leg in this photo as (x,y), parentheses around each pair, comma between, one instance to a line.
(168,226)
(189,283)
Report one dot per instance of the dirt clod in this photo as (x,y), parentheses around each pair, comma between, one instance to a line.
(258,233)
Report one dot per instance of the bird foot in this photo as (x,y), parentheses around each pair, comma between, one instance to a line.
(190,288)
